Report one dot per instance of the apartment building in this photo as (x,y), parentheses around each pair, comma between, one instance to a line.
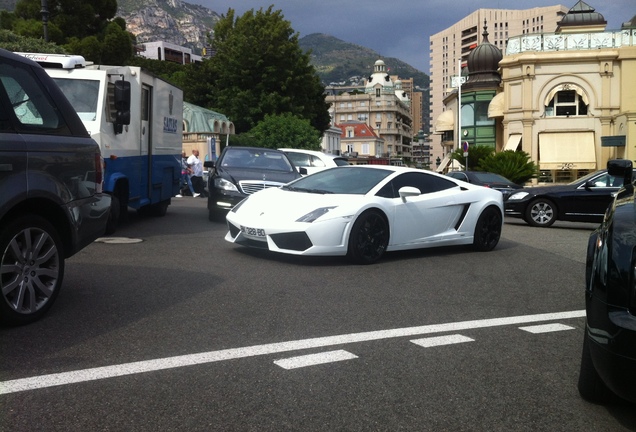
(383,105)
(167,51)
(449,49)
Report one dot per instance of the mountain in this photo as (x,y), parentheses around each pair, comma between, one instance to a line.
(343,63)
(174,21)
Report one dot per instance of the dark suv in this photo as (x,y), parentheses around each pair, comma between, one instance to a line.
(241,171)
(51,201)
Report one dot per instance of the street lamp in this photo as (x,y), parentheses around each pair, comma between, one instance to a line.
(45,19)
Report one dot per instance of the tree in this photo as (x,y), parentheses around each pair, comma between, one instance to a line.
(516,166)
(13,42)
(475,155)
(84,27)
(260,69)
(286,130)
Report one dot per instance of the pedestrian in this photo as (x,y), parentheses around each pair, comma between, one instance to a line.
(197,172)
(185,176)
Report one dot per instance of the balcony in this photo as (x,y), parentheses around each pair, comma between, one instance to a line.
(551,42)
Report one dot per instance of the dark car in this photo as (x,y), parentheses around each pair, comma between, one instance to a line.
(583,200)
(51,200)
(487,179)
(608,362)
(241,171)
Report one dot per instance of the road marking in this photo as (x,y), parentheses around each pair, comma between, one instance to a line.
(546,328)
(315,359)
(442,340)
(77,376)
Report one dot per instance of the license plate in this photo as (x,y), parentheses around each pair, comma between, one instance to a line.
(253,232)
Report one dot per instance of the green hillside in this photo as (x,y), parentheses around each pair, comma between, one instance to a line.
(340,62)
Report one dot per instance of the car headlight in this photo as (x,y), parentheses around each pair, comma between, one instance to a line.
(518,196)
(221,183)
(314,214)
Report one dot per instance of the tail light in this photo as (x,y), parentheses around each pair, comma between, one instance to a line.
(99,173)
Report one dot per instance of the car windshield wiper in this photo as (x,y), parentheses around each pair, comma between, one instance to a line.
(297,189)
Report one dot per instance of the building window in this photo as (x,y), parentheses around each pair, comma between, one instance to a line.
(349,117)
(377,92)
(350,148)
(342,117)
(378,116)
(363,103)
(567,101)
(365,149)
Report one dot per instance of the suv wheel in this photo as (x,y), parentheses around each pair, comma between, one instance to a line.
(32,262)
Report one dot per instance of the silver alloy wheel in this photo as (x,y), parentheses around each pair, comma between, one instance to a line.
(30,268)
(542,213)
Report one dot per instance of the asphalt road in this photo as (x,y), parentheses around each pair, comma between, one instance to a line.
(181,330)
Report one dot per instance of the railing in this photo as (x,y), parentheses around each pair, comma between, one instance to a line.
(570,41)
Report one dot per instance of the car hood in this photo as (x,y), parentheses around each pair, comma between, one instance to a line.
(545,190)
(240,174)
(282,205)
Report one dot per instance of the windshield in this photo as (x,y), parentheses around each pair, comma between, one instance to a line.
(261,159)
(491,177)
(342,180)
(82,94)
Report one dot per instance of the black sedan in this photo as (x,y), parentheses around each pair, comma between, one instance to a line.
(584,200)
(608,362)
(487,179)
(241,171)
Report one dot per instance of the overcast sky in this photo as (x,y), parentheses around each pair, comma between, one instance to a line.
(398,28)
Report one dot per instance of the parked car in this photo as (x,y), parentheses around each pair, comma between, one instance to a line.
(583,200)
(487,179)
(314,161)
(608,361)
(51,204)
(241,171)
(364,210)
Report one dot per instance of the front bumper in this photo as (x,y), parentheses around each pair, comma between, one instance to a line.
(326,238)
(515,208)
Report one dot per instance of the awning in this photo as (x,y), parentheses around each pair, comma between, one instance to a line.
(496,106)
(444,163)
(564,87)
(567,150)
(513,142)
(445,122)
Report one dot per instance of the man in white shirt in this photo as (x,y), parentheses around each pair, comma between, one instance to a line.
(197,172)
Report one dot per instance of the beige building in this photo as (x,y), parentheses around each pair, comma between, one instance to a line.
(453,45)
(569,98)
(384,106)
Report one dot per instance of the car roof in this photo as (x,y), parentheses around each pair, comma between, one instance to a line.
(252,148)
(17,58)
(312,152)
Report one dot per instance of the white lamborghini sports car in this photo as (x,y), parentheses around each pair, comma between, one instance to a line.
(364,210)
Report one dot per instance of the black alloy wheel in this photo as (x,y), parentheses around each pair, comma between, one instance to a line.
(32,263)
(541,213)
(369,237)
(487,230)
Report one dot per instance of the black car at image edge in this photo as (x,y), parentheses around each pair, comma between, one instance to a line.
(608,361)
(51,200)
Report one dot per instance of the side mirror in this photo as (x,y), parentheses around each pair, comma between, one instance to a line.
(621,168)
(408,191)
(208,164)
(122,102)
(302,171)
